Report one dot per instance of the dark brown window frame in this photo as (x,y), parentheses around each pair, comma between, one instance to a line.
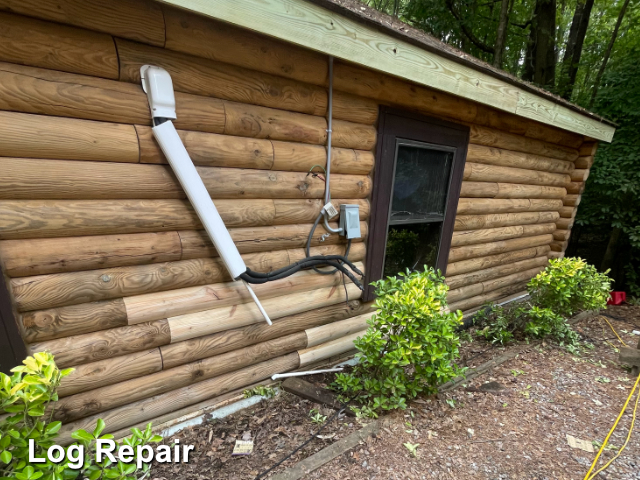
(12,347)
(398,124)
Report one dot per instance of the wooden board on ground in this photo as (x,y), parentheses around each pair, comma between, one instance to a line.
(312,392)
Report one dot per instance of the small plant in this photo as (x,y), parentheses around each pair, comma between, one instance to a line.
(451,402)
(410,346)
(316,416)
(263,391)
(517,373)
(412,447)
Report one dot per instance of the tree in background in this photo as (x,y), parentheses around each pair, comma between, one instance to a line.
(573,50)
(540,59)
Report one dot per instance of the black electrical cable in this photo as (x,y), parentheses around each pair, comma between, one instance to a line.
(297,267)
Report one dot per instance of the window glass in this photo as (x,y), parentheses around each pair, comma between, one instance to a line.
(411,246)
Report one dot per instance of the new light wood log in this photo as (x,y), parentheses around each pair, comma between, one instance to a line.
(568,212)
(329,349)
(457,254)
(141,20)
(474,222)
(580,175)
(302,157)
(564,223)
(39,136)
(561,235)
(333,331)
(484,262)
(150,408)
(571,200)
(111,370)
(509,158)
(153,306)
(494,138)
(38,43)
(584,162)
(479,206)
(575,188)
(470,237)
(478,172)
(495,295)
(61,322)
(185,327)
(91,347)
(509,190)
(105,398)
(479,276)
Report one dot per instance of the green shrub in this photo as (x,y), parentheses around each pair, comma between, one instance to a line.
(410,346)
(25,395)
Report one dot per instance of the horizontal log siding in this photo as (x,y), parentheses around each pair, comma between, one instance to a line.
(108,265)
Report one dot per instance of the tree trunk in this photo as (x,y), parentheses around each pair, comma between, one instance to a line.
(607,54)
(501,36)
(573,52)
(610,254)
(540,65)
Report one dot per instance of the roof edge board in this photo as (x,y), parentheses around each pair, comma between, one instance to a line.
(314,27)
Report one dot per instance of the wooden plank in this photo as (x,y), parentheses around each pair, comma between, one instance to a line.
(478,172)
(141,20)
(229,340)
(471,251)
(301,157)
(309,25)
(332,331)
(471,237)
(474,222)
(480,276)
(329,349)
(571,200)
(480,206)
(38,43)
(313,393)
(509,158)
(561,235)
(147,409)
(487,261)
(565,223)
(483,189)
(39,136)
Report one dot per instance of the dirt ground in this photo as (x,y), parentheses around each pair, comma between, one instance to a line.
(513,427)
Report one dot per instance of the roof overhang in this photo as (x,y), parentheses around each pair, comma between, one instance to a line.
(311,26)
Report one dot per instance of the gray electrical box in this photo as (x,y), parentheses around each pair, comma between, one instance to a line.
(350,221)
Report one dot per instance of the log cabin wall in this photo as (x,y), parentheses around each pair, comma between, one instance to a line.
(107,264)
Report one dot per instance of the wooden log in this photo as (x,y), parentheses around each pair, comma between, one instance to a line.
(584,162)
(33,257)
(479,276)
(509,190)
(479,206)
(61,322)
(170,304)
(353,135)
(38,43)
(141,20)
(457,254)
(562,235)
(494,138)
(571,200)
(588,149)
(574,188)
(332,331)
(314,393)
(230,340)
(289,211)
(474,222)
(568,212)
(478,172)
(484,262)
(39,136)
(509,158)
(111,370)
(559,246)
(470,237)
(498,294)
(105,398)
(185,327)
(580,175)
(150,408)
(302,157)
(329,349)
(556,255)
(199,76)
(564,223)
(91,347)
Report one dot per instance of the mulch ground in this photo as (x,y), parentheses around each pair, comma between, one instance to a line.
(510,423)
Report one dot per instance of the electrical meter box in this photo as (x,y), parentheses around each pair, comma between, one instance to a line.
(350,221)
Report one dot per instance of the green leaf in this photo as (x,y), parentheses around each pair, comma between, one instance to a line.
(82,435)
(6,456)
(99,428)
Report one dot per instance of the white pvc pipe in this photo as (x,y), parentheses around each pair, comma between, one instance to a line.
(302,374)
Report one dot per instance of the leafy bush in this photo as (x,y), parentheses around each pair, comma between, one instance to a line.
(25,395)
(410,346)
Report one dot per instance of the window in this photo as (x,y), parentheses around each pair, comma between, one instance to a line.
(418,174)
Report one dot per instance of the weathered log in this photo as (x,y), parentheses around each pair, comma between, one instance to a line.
(574,188)
(509,190)
(332,331)
(568,212)
(559,246)
(474,222)
(484,262)
(500,293)
(470,237)
(584,162)
(185,327)
(556,255)
(561,235)
(580,175)
(150,408)
(478,172)
(38,43)
(509,158)
(478,206)
(330,349)
(479,276)
(571,200)
(141,20)
(53,323)
(471,251)
(302,157)
(39,136)
(111,370)
(91,347)
(564,223)
(588,149)
(105,398)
